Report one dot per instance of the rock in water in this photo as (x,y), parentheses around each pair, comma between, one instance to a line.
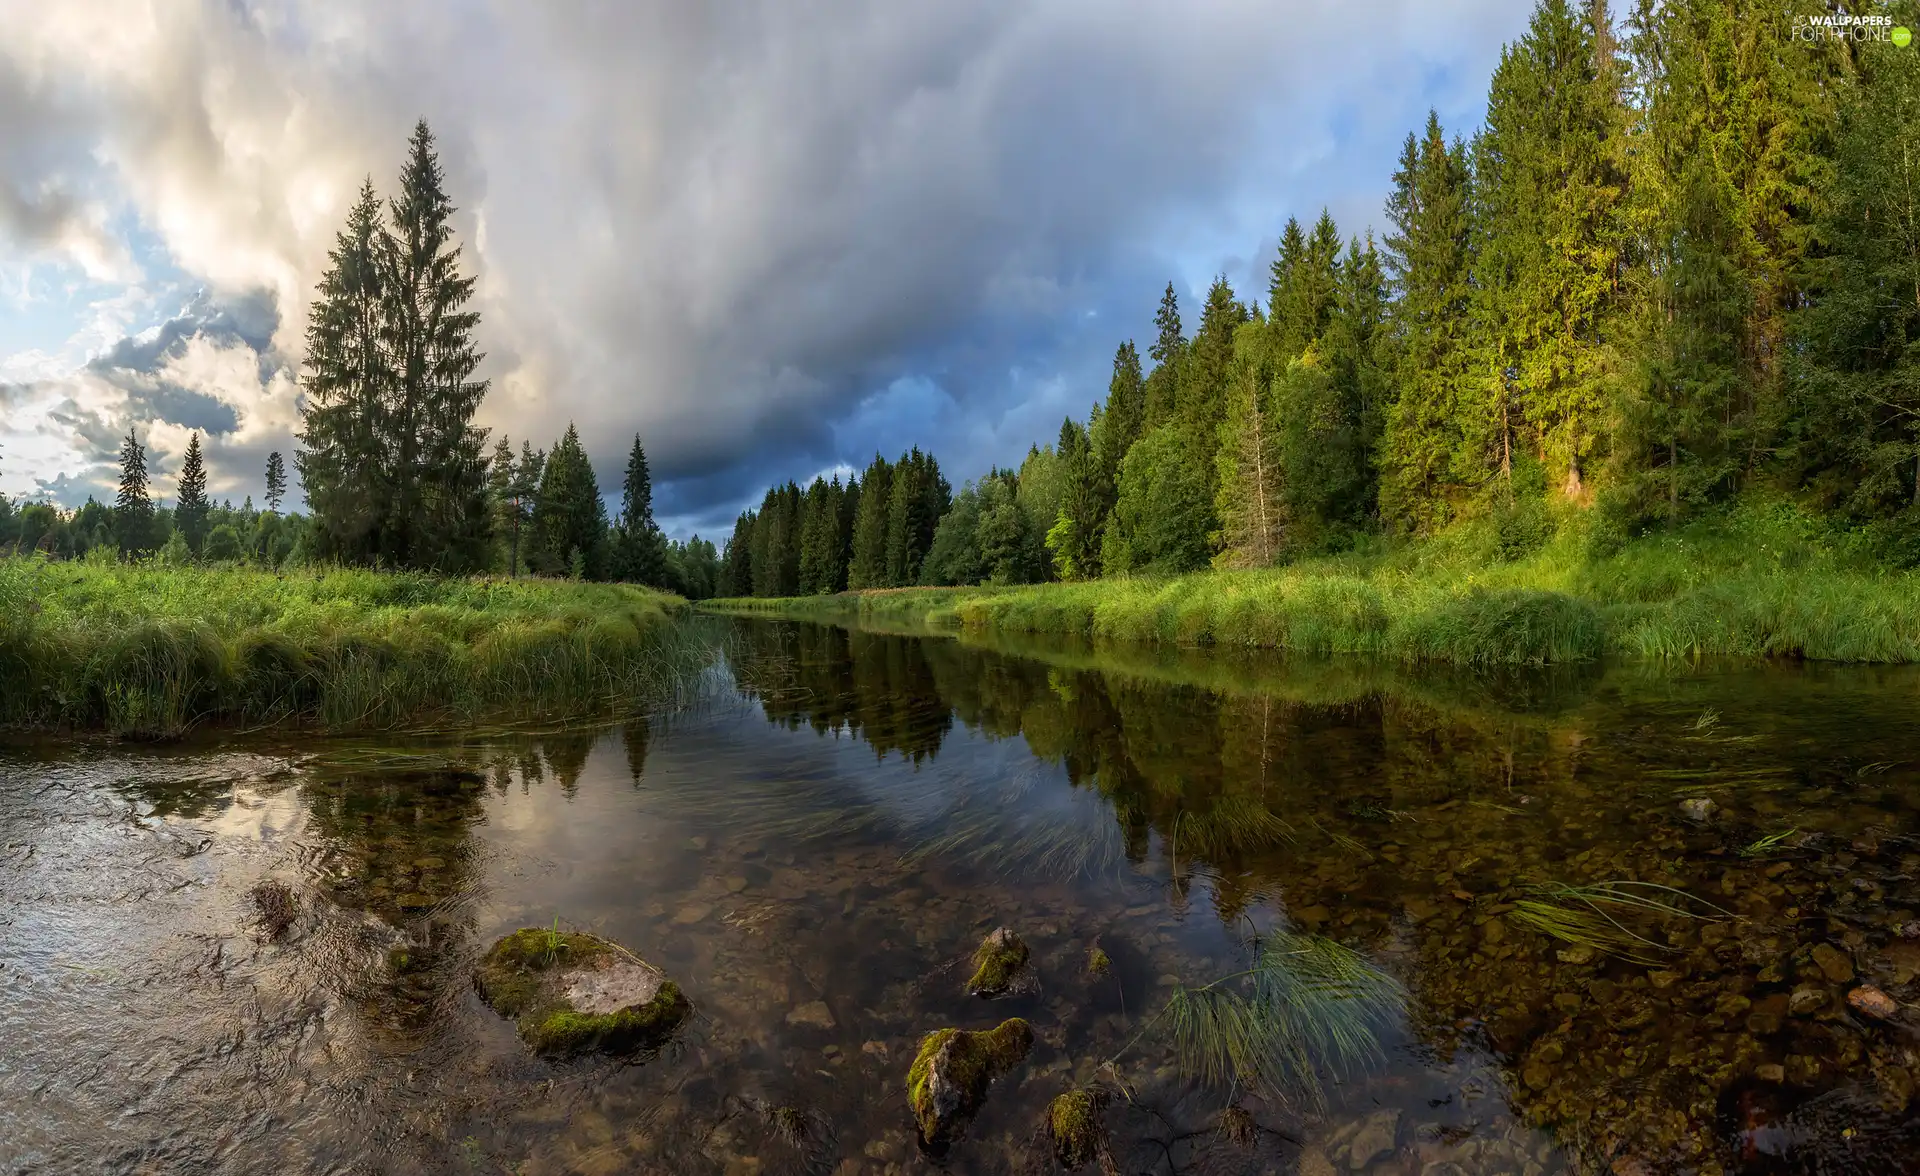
(950,1076)
(1699,808)
(1376,1138)
(1074,1127)
(1873,1002)
(572,992)
(997,963)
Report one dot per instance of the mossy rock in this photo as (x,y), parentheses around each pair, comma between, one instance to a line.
(997,963)
(1099,963)
(950,1076)
(1075,1129)
(572,992)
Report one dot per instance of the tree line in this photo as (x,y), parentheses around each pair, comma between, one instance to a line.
(394,471)
(1679,261)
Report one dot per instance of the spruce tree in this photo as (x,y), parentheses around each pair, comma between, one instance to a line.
(344,462)
(1305,276)
(868,567)
(133,520)
(736,562)
(1548,188)
(641,548)
(1204,383)
(1168,353)
(1428,259)
(1856,436)
(569,519)
(276,481)
(439,508)
(819,535)
(500,493)
(191,506)
(1086,497)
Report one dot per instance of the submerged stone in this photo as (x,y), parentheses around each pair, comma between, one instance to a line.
(997,963)
(571,992)
(949,1078)
(1873,1002)
(1074,1127)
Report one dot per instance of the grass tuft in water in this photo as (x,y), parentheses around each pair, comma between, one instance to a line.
(1308,1007)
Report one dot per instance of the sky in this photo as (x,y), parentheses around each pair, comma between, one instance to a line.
(770,238)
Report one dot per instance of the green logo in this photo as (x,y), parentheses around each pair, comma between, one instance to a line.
(1902,35)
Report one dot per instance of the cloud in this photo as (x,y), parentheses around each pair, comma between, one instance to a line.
(737,228)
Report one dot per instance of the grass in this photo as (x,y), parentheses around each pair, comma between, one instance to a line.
(1762,579)
(141,650)
(1307,1007)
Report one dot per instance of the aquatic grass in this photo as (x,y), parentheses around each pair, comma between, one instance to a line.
(1759,580)
(141,650)
(1585,915)
(1308,1007)
(1763,846)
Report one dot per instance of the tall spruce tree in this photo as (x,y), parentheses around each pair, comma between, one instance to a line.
(276,481)
(736,562)
(819,536)
(440,518)
(1086,498)
(917,499)
(134,525)
(190,501)
(1548,185)
(344,459)
(500,469)
(868,567)
(640,550)
(1856,433)
(1428,263)
(1169,353)
(569,519)
(1204,380)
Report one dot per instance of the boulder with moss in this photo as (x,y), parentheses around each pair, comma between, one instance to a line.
(1075,1129)
(571,992)
(950,1076)
(997,964)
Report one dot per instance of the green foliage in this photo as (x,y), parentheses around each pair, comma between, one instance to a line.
(133,521)
(190,500)
(153,650)
(1161,514)
(393,468)
(223,544)
(867,567)
(569,519)
(1307,1007)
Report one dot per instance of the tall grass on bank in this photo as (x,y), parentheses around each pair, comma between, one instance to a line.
(1760,580)
(149,651)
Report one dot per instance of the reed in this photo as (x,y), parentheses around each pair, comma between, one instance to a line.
(145,651)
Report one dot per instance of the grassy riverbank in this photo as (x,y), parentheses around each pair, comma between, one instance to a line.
(1761,581)
(145,650)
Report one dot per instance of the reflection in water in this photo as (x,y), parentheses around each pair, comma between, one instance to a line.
(1528,924)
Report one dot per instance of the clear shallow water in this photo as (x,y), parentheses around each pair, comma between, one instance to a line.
(815,851)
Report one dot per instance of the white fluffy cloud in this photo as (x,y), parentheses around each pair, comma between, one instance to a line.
(732,227)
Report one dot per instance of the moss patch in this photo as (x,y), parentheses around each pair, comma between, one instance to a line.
(1099,963)
(1073,1124)
(572,992)
(997,963)
(949,1077)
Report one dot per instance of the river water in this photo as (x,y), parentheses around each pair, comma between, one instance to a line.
(1610,919)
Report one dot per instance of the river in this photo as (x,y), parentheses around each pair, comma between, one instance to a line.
(1611,916)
